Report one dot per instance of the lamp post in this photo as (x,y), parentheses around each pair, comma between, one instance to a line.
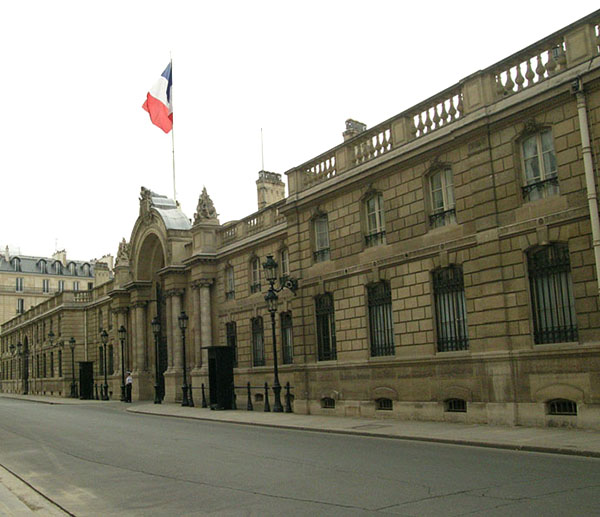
(104,338)
(122,333)
(73,383)
(183,321)
(270,269)
(18,353)
(156,332)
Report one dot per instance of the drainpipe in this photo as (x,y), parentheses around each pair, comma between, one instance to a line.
(577,88)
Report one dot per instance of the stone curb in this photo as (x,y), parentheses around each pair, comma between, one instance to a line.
(449,441)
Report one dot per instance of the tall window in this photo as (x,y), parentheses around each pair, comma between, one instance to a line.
(375,220)
(326,349)
(381,328)
(255,275)
(450,309)
(58,268)
(284,264)
(111,360)
(100,361)
(19,286)
(321,234)
(441,190)
(20,305)
(60,372)
(258,342)
(75,286)
(61,286)
(231,332)
(72,269)
(229,283)
(553,305)
(45,285)
(287,343)
(539,164)
(43,268)
(51,364)
(17,264)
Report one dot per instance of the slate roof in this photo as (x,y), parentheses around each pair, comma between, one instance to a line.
(33,265)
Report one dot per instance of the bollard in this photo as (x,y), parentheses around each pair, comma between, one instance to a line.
(233,397)
(249,406)
(190,397)
(267,405)
(288,401)
(96,389)
(203,397)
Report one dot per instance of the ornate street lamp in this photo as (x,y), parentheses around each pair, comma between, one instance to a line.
(104,338)
(122,333)
(270,269)
(73,383)
(183,321)
(156,332)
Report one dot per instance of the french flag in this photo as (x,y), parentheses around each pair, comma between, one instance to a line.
(158,102)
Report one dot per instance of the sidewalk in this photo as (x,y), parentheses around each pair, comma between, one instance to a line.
(576,442)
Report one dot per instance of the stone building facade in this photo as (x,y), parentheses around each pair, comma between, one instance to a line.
(447,262)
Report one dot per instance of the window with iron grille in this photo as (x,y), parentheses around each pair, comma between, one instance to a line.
(375,220)
(60,368)
(286,338)
(441,186)
(326,349)
(562,407)
(231,335)
(229,283)
(111,360)
(51,364)
(455,406)
(450,309)
(255,275)
(384,404)
(258,342)
(328,403)
(553,305)
(381,327)
(44,365)
(539,164)
(321,235)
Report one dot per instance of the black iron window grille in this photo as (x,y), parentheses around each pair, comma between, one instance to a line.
(328,403)
(381,327)
(287,338)
(450,309)
(258,342)
(229,295)
(442,218)
(553,305)
(231,334)
(111,360)
(255,288)
(540,189)
(455,406)
(562,407)
(100,362)
(375,239)
(60,369)
(384,404)
(326,347)
(321,255)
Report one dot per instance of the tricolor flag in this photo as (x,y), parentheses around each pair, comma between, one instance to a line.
(158,102)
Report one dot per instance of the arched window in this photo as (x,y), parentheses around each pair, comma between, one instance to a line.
(16,264)
(58,267)
(455,406)
(258,342)
(562,407)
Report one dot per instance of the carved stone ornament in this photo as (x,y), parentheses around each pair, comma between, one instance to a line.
(123,253)
(531,127)
(205,209)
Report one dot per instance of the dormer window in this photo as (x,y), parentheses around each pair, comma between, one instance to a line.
(72,268)
(16,264)
(85,268)
(43,266)
(58,268)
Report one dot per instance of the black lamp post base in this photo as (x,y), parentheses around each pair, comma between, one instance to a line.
(277,407)
(157,399)
(105,392)
(123,397)
(73,391)
(185,401)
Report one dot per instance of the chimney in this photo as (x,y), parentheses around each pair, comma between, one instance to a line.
(269,188)
(61,256)
(353,128)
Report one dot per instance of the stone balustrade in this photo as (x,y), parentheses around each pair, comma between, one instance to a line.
(565,49)
(237,230)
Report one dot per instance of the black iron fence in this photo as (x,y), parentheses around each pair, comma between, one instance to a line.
(261,394)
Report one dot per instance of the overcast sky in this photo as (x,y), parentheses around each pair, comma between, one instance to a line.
(76,145)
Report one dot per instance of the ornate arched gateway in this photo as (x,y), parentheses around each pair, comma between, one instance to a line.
(159,274)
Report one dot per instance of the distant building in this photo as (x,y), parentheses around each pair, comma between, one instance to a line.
(447,261)
(26,281)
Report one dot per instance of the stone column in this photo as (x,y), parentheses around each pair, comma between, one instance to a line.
(132,341)
(140,334)
(169,333)
(205,312)
(175,312)
(196,326)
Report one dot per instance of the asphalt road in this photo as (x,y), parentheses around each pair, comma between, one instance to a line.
(100,461)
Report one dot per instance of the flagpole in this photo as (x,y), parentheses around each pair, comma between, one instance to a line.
(173,132)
